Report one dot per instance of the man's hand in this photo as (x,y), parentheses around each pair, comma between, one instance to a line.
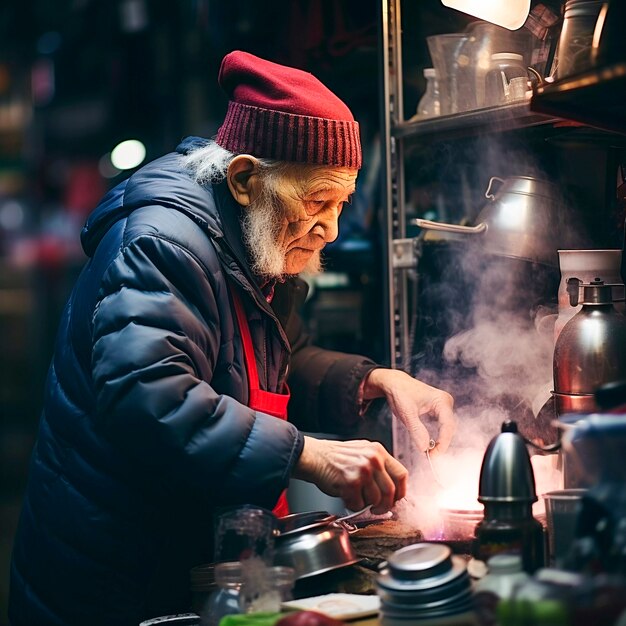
(358,471)
(408,400)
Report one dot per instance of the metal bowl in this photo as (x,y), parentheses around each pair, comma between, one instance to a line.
(387,580)
(407,595)
(419,561)
(315,550)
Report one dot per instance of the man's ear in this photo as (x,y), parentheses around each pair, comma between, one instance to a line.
(243,178)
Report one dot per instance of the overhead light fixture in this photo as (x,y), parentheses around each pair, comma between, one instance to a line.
(510,14)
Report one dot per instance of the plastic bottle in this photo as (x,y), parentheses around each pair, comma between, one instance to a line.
(429,105)
(504,574)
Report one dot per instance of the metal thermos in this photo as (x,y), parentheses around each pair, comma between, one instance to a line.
(507,491)
(590,350)
(589,353)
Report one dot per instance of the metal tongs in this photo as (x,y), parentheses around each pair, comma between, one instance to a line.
(431,445)
(351,526)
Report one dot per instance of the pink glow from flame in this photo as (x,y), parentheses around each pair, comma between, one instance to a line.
(459,474)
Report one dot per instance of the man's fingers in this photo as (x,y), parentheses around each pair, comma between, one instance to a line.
(353,499)
(372,494)
(399,475)
(447,429)
(420,435)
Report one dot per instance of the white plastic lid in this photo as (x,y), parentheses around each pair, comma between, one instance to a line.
(430,72)
(510,56)
(505,564)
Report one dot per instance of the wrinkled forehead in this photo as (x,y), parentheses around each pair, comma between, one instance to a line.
(314,178)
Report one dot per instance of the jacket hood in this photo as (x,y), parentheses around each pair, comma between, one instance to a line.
(162,182)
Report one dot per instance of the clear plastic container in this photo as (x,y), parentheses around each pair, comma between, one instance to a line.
(429,105)
(444,50)
(503,80)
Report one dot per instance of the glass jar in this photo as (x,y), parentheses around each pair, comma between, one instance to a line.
(225,599)
(264,589)
(506,75)
(474,58)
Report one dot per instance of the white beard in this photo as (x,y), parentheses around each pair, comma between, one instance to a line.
(261,225)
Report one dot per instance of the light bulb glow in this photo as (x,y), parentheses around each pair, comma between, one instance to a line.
(510,14)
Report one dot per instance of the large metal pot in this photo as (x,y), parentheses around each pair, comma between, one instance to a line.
(525,219)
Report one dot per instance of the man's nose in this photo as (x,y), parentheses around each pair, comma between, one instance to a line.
(329,222)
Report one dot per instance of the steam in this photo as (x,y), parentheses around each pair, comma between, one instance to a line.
(498,365)
(484,323)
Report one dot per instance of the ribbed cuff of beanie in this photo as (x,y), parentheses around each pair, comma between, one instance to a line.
(284,136)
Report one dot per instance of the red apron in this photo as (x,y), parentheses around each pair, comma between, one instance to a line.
(274,404)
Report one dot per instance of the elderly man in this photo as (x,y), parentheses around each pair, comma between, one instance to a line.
(167,395)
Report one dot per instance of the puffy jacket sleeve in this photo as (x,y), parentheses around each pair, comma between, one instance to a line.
(324,383)
(156,342)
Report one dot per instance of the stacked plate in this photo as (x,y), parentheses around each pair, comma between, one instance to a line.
(424,582)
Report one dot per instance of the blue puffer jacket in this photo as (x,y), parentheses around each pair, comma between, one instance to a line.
(145,429)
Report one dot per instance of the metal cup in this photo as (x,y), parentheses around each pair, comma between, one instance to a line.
(562,508)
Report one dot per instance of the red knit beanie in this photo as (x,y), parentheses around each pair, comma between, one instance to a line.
(282,113)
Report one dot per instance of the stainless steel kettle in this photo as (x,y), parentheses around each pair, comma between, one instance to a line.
(525,218)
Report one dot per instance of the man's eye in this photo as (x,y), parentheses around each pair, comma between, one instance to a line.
(314,206)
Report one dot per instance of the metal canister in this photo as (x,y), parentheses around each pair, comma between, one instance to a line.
(575,43)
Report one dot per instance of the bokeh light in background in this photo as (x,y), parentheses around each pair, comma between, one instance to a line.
(128,154)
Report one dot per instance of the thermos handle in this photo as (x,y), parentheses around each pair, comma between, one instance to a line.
(573,290)
(488,194)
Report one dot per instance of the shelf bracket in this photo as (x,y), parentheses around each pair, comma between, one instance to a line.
(404,253)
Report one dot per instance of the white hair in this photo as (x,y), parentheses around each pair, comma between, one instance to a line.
(209,164)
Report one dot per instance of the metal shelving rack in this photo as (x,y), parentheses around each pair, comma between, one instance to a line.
(400,251)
